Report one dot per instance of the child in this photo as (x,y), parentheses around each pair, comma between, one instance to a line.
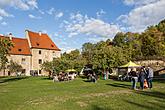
(145,84)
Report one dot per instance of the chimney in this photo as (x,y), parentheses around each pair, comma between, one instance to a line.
(10,36)
(40,33)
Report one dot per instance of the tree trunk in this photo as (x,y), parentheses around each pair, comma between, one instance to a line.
(3,72)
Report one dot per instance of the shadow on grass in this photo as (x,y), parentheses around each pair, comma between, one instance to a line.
(9,79)
(46,78)
(155,94)
(86,80)
(147,105)
(159,80)
(158,103)
(82,76)
(120,85)
(139,105)
(96,107)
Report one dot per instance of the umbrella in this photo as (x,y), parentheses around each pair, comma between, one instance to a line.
(71,70)
(88,69)
(130,64)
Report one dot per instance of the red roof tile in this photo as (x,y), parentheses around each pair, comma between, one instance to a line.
(41,41)
(21,46)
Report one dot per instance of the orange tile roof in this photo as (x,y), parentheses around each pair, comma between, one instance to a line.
(21,46)
(41,41)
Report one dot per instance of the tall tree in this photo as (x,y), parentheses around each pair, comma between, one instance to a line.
(119,39)
(87,51)
(152,44)
(5,47)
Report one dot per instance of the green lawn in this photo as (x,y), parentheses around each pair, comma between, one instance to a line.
(39,93)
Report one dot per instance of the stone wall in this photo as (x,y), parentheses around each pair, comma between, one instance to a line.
(155,64)
(23,60)
(45,55)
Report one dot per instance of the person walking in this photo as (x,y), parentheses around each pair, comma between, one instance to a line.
(134,78)
(142,77)
(150,75)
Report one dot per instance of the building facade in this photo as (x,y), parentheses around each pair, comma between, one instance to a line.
(32,51)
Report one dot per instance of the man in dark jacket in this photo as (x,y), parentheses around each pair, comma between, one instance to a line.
(134,78)
(142,77)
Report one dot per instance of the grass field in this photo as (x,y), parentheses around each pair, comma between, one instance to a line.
(39,93)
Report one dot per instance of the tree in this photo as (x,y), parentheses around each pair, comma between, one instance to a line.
(73,60)
(5,47)
(14,67)
(152,42)
(119,39)
(87,51)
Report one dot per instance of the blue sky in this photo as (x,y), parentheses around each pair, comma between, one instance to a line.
(71,23)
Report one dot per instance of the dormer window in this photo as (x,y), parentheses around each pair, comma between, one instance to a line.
(19,50)
(52,45)
(37,44)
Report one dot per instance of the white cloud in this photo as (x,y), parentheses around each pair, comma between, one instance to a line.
(32,3)
(69,50)
(59,15)
(76,16)
(56,14)
(21,4)
(34,17)
(84,25)
(129,2)
(4,23)
(18,4)
(97,39)
(139,2)
(51,11)
(42,12)
(72,34)
(4,13)
(100,13)
(146,14)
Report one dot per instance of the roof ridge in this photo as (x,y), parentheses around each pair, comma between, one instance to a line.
(36,32)
(13,37)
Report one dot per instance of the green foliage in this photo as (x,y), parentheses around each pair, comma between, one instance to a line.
(5,46)
(87,51)
(152,42)
(14,67)
(53,66)
(72,60)
(124,47)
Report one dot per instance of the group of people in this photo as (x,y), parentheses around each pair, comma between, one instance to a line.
(63,77)
(92,77)
(144,76)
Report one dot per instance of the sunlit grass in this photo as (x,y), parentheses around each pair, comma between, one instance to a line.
(39,93)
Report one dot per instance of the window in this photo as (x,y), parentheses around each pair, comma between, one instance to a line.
(23,71)
(52,45)
(20,50)
(40,61)
(54,54)
(23,60)
(39,71)
(39,51)
(37,43)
